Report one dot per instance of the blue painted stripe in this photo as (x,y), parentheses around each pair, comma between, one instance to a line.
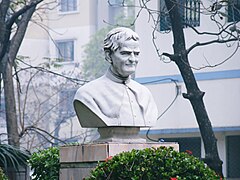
(189,130)
(228,74)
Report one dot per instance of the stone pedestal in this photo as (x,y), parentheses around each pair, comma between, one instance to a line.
(78,160)
(120,134)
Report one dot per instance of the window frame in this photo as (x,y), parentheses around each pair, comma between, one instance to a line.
(61,56)
(2,107)
(119,9)
(232,150)
(231,11)
(185,144)
(188,14)
(61,11)
(66,97)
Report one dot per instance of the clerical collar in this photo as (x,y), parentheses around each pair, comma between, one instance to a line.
(117,78)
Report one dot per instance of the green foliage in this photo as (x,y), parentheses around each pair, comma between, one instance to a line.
(150,164)
(11,157)
(2,175)
(52,62)
(45,164)
(94,64)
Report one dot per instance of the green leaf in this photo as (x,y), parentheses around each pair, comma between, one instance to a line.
(151,163)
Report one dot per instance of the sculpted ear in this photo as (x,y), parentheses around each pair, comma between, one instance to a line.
(108,56)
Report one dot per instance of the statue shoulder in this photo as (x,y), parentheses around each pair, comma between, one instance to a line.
(139,86)
(91,88)
(92,84)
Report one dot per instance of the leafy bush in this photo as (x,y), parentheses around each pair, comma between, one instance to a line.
(150,164)
(45,164)
(2,175)
(11,157)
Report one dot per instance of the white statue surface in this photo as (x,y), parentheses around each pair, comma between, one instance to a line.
(115,100)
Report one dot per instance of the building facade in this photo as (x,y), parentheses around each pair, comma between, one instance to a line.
(65,27)
(221,82)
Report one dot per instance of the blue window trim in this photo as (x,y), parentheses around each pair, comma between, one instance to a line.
(189,130)
(216,75)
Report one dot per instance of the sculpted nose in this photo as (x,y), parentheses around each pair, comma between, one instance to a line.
(133,58)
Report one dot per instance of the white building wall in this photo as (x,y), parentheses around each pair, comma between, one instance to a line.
(35,49)
(221,101)
(151,65)
(222,92)
(80,35)
(221,150)
(39,43)
(221,83)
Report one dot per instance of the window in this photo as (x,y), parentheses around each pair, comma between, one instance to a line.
(120,10)
(65,50)
(114,10)
(116,2)
(190,144)
(189,10)
(66,109)
(3,125)
(68,5)
(233,10)
(233,157)
(2,107)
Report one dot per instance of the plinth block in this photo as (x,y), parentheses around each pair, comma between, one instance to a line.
(78,160)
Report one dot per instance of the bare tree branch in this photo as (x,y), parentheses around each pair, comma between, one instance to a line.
(74,80)
(210,33)
(41,131)
(21,11)
(219,41)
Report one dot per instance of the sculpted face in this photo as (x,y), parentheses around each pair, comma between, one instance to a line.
(125,59)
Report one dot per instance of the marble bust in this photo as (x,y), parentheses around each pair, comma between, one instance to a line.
(115,99)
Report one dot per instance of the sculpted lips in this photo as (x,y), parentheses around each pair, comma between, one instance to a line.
(131,64)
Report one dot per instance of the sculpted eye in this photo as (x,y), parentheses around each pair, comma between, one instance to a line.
(125,52)
(136,53)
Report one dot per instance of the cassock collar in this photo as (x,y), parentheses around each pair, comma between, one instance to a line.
(109,74)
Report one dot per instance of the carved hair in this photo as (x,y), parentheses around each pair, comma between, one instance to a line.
(112,40)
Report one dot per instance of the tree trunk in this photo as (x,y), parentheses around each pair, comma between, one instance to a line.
(10,104)
(8,51)
(194,95)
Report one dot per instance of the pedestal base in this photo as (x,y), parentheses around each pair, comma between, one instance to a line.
(120,135)
(77,161)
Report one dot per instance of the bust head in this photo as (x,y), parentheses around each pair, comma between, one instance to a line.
(121,47)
